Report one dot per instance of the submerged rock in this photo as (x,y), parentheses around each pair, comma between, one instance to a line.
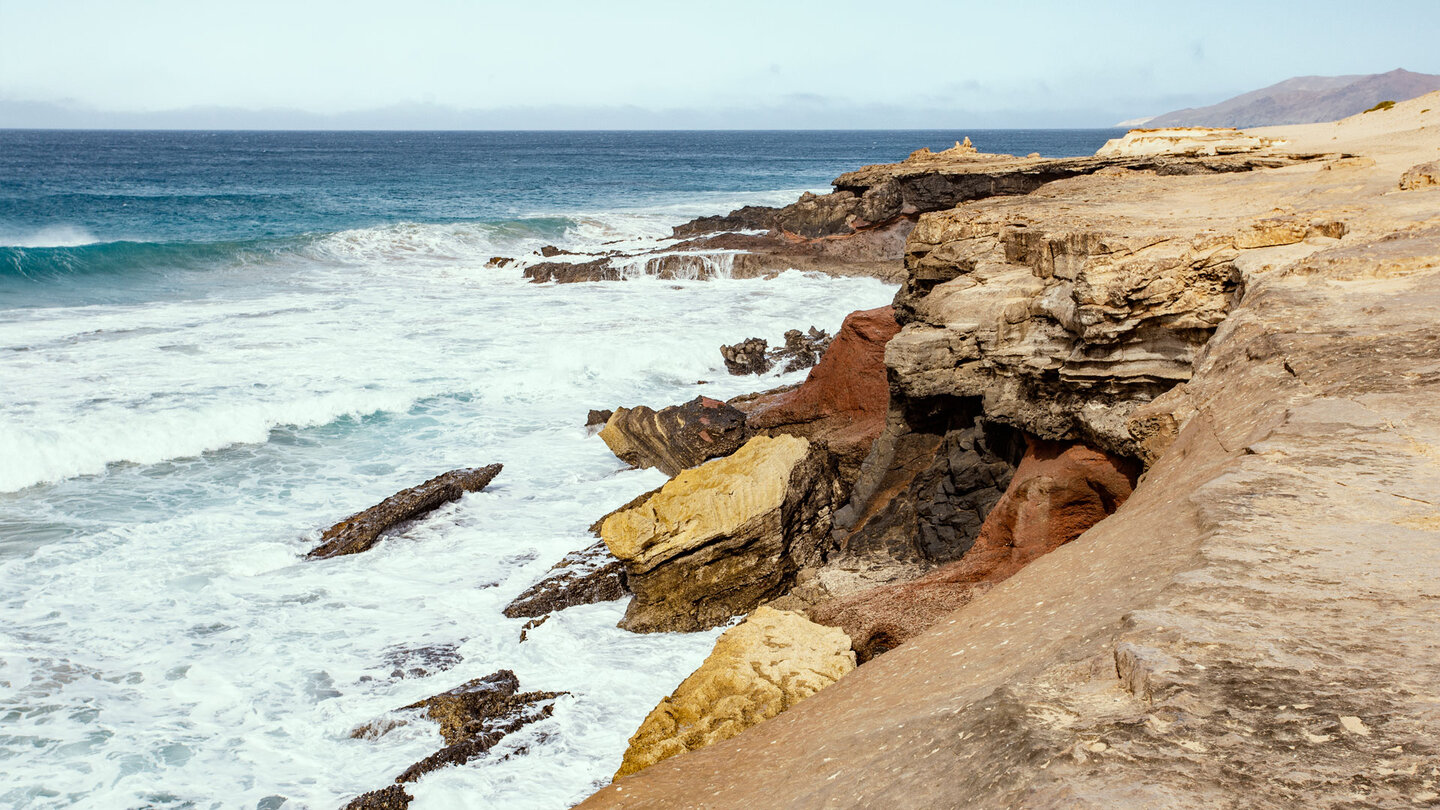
(581,578)
(473,718)
(423,661)
(362,530)
(674,438)
(722,538)
(1057,493)
(758,669)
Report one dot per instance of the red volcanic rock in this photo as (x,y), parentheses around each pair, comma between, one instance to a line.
(1059,490)
(844,400)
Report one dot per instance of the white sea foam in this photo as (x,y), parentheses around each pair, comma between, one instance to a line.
(50,236)
(163,644)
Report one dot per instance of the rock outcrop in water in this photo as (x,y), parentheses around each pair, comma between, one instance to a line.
(473,718)
(583,577)
(758,669)
(362,530)
(802,350)
(1252,624)
(722,538)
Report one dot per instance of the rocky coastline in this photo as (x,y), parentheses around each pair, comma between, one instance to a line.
(1128,499)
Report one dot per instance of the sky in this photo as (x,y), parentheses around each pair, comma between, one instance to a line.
(556,64)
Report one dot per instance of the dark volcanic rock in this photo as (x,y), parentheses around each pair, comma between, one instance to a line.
(571,272)
(1058,491)
(389,798)
(476,715)
(749,218)
(597,418)
(361,531)
(499,261)
(747,357)
(802,350)
(675,438)
(581,578)
(473,717)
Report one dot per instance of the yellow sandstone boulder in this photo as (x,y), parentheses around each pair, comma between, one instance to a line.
(724,537)
(759,668)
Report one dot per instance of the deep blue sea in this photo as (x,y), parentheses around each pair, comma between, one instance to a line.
(215,344)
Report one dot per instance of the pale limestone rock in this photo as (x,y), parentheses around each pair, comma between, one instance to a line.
(758,669)
(1185,141)
(1423,175)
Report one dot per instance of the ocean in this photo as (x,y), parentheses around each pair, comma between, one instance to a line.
(213,345)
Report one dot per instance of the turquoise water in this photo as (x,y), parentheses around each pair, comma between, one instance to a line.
(212,345)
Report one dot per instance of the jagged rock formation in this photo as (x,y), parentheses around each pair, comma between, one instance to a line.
(724,537)
(674,438)
(1253,624)
(1057,492)
(758,669)
(361,531)
(572,272)
(473,718)
(802,350)
(582,577)
(922,493)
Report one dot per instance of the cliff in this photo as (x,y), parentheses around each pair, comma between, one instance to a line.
(1255,623)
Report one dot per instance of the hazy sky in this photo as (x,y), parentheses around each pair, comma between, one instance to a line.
(881,63)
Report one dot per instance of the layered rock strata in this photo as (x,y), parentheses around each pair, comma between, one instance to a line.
(582,577)
(861,227)
(722,538)
(1252,625)
(362,530)
(758,669)
(675,438)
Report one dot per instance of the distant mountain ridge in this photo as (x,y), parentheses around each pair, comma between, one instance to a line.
(1304,100)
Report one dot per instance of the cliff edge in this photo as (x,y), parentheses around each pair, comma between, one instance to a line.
(1255,624)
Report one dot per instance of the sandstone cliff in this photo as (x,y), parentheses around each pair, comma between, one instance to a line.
(1253,625)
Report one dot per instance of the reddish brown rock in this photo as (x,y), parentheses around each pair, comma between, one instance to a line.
(844,399)
(1058,491)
